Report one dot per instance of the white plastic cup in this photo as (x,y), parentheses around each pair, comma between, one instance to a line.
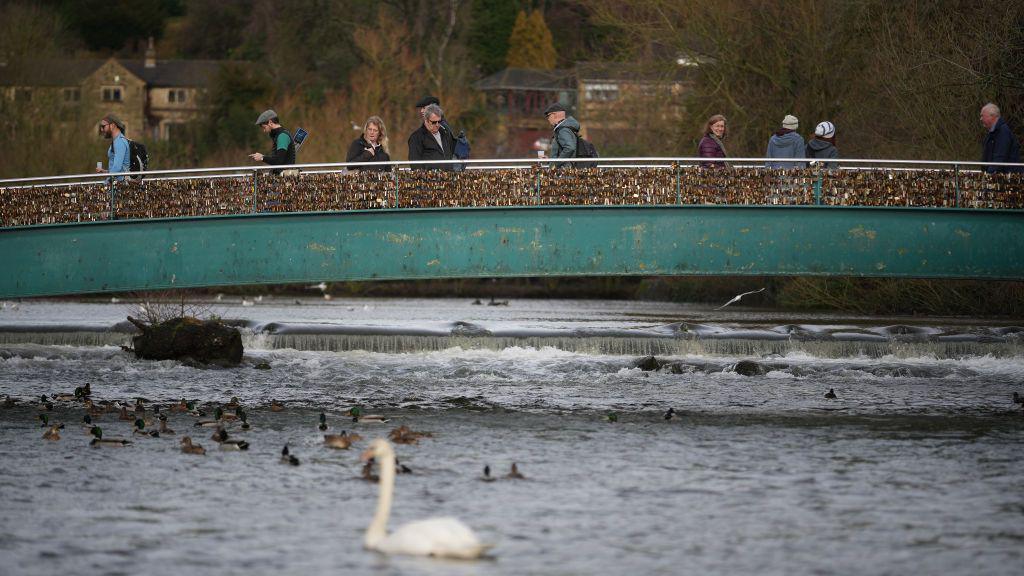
(540,153)
(99,165)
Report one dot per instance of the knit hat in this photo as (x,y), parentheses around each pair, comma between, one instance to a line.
(115,121)
(267,116)
(427,101)
(825,129)
(790,122)
(556,107)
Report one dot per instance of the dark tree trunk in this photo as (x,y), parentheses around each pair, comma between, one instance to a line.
(207,342)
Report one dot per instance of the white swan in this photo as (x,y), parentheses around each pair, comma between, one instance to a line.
(440,537)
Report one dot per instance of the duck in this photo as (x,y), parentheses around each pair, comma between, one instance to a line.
(188,447)
(44,419)
(45,404)
(438,537)
(244,417)
(487,475)
(124,415)
(670,414)
(98,439)
(514,473)
(10,402)
(221,437)
(276,406)
(83,391)
(87,423)
(140,429)
(181,406)
(357,416)
(216,423)
(338,441)
(403,435)
(287,457)
(1018,399)
(53,433)
(223,416)
(612,416)
(92,408)
(323,422)
(64,397)
(831,394)
(233,404)
(164,430)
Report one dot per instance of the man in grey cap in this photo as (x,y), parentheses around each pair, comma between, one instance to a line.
(283,151)
(786,143)
(119,156)
(565,133)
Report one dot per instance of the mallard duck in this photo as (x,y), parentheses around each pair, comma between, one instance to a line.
(233,404)
(514,473)
(10,402)
(98,439)
(223,416)
(612,416)
(244,417)
(181,406)
(140,429)
(323,422)
(276,406)
(215,423)
(287,457)
(124,415)
(92,408)
(338,441)
(64,397)
(45,404)
(44,419)
(487,475)
(53,433)
(831,394)
(164,430)
(403,435)
(357,416)
(87,423)
(83,392)
(670,414)
(1018,399)
(221,437)
(189,448)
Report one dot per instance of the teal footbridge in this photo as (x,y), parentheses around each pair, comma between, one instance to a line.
(466,242)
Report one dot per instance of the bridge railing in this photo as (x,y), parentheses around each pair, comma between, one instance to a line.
(504,182)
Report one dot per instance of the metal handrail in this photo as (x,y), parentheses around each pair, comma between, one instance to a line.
(498,163)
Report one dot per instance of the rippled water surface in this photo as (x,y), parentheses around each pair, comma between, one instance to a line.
(914,468)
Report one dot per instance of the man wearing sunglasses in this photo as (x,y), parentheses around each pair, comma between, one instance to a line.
(118,155)
(430,142)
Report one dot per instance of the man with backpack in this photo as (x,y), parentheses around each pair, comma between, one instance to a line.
(283,150)
(119,153)
(566,141)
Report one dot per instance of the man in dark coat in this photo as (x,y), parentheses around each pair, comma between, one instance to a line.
(430,142)
(1000,143)
(283,150)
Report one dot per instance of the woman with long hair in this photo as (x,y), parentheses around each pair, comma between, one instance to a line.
(371,146)
(711,145)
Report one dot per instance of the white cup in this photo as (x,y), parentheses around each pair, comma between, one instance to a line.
(99,165)
(540,153)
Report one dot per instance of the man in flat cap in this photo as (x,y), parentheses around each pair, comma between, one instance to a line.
(565,133)
(283,151)
(119,157)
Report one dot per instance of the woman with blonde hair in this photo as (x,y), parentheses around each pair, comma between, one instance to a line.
(711,145)
(371,146)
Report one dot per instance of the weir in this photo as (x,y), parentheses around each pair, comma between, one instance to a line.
(654,219)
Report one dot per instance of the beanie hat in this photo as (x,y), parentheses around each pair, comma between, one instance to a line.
(427,101)
(825,129)
(790,122)
(267,116)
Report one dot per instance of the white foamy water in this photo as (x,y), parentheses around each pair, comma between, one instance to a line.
(912,468)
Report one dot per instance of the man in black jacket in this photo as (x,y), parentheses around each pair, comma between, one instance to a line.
(1000,144)
(283,151)
(430,142)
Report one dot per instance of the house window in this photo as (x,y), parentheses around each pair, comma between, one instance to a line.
(112,94)
(72,94)
(177,96)
(602,92)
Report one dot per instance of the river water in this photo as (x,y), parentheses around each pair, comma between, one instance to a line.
(914,468)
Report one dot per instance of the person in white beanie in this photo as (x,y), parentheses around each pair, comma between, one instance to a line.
(786,143)
(823,145)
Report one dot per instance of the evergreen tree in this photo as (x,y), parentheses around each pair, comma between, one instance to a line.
(489,31)
(531,45)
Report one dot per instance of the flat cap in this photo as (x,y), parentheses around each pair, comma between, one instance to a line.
(267,116)
(427,101)
(556,107)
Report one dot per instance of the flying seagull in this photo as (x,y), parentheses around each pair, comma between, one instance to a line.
(737,298)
